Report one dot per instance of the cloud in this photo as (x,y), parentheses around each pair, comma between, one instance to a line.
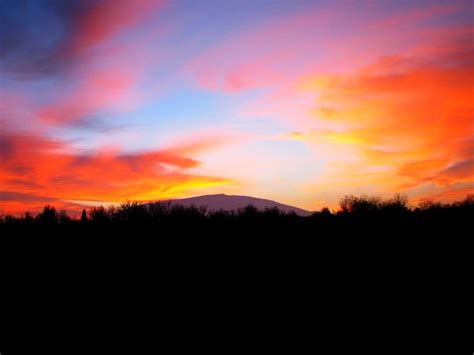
(381,95)
(407,18)
(458,170)
(261,56)
(38,166)
(48,37)
(71,44)
(22,197)
(106,19)
(18,203)
(378,97)
(408,120)
(110,89)
(325,37)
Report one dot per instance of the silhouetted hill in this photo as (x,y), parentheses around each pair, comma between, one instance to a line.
(365,214)
(235,202)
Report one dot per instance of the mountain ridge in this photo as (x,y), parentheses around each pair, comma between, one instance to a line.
(216,202)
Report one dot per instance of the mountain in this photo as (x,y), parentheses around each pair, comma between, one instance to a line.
(233,202)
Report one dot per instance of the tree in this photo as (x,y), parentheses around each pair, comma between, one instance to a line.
(398,205)
(363,205)
(28,218)
(84,216)
(325,212)
(99,215)
(48,216)
(63,217)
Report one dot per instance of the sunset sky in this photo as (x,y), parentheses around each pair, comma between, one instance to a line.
(297,101)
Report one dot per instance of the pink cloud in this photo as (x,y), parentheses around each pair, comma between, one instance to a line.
(107,19)
(259,56)
(103,75)
(111,88)
(415,16)
(323,39)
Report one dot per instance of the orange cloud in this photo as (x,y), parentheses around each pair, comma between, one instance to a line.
(19,203)
(408,120)
(44,170)
(388,110)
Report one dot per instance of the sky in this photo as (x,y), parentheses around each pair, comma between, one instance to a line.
(301,102)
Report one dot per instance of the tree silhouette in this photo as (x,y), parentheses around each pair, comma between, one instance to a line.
(83,216)
(63,217)
(49,216)
(99,216)
(363,213)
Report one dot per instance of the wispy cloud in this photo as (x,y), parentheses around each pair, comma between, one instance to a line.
(330,97)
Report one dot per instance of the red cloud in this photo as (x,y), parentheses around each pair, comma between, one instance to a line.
(38,166)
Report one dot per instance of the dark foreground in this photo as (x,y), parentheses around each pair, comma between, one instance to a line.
(357,215)
(131,268)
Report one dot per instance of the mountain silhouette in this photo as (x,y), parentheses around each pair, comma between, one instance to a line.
(234,203)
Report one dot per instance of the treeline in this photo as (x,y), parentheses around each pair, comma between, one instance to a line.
(354,211)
